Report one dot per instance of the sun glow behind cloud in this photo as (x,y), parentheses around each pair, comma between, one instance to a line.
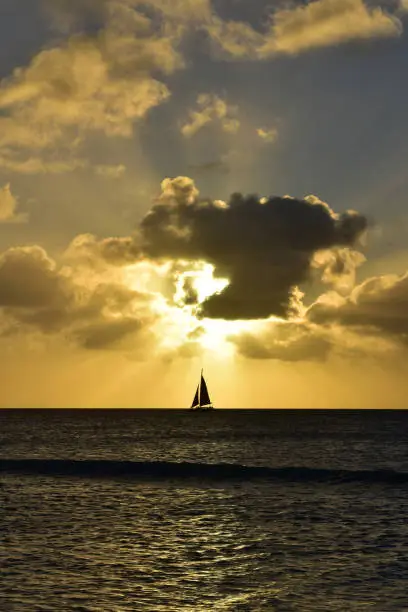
(177,292)
(202,281)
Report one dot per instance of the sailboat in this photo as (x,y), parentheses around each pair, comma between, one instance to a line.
(202,399)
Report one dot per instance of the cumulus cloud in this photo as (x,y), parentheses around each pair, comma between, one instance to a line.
(117,333)
(8,207)
(378,304)
(211,108)
(234,260)
(95,311)
(237,260)
(88,250)
(337,267)
(263,246)
(284,341)
(310,341)
(108,81)
(28,279)
(102,83)
(180,190)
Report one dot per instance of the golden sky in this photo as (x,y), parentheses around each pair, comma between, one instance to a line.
(189,184)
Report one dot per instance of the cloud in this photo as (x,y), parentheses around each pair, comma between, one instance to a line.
(403,6)
(92,252)
(337,267)
(38,165)
(109,171)
(264,247)
(303,340)
(119,292)
(284,341)
(267,135)
(211,108)
(28,279)
(234,39)
(102,83)
(94,310)
(180,190)
(144,291)
(292,30)
(117,333)
(108,81)
(322,23)
(379,304)
(317,24)
(8,207)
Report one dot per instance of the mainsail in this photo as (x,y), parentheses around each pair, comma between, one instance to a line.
(204,395)
(202,399)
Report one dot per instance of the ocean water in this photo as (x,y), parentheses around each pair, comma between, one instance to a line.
(110,511)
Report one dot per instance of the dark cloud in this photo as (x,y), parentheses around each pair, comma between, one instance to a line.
(35,293)
(28,279)
(285,342)
(107,333)
(379,303)
(263,246)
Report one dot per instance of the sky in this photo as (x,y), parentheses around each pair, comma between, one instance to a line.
(190,184)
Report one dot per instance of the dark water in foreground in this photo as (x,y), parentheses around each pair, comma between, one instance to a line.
(235,510)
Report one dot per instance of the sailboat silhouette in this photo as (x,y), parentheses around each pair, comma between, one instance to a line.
(202,399)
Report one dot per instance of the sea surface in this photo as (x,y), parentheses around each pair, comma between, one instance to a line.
(111,511)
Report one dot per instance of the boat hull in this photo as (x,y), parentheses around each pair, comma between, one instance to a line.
(202,409)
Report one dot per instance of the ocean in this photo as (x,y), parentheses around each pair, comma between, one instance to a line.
(161,510)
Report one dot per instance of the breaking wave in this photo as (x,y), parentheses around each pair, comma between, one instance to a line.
(162,470)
